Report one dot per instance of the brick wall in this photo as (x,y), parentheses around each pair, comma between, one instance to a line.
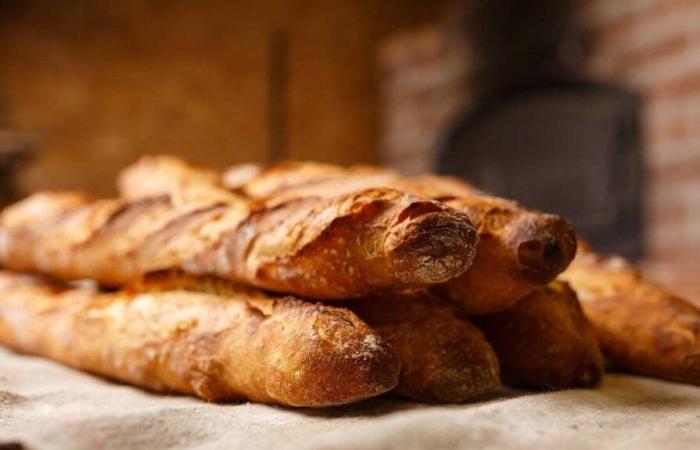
(652,46)
(425,83)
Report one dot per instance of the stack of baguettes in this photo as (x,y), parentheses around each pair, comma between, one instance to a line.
(308,284)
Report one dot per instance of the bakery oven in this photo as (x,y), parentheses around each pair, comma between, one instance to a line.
(540,130)
(571,148)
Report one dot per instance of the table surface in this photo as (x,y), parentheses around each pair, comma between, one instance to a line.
(47,406)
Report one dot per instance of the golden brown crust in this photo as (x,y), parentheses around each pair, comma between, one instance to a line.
(443,358)
(518,249)
(324,248)
(641,327)
(299,179)
(544,341)
(293,178)
(153,176)
(237,176)
(349,246)
(240,346)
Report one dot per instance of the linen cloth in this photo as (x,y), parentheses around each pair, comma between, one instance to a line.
(46,406)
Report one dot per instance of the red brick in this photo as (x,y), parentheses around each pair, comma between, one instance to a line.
(610,29)
(649,55)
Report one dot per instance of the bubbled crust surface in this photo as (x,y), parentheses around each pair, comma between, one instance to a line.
(641,327)
(544,341)
(242,346)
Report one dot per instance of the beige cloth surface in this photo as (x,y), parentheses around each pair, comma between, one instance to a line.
(46,406)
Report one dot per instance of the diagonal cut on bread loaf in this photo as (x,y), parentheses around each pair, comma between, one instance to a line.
(641,327)
(318,247)
(240,346)
(518,248)
(443,358)
(545,341)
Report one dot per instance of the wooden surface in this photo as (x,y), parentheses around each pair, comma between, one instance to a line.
(100,82)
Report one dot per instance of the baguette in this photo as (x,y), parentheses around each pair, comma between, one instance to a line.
(544,341)
(518,249)
(443,358)
(321,248)
(641,328)
(244,346)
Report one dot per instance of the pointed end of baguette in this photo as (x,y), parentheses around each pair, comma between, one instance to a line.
(545,247)
(339,360)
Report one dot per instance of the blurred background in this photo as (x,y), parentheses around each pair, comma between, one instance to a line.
(588,108)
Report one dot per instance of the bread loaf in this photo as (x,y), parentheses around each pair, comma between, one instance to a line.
(641,328)
(544,341)
(443,358)
(317,247)
(518,248)
(241,346)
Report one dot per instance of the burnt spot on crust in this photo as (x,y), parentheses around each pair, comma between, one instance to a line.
(541,259)
(545,245)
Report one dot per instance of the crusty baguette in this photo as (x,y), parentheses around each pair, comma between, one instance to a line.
(641,327)
(317,247)
(518,248)
(240,346)
(544,341)
(443,358)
